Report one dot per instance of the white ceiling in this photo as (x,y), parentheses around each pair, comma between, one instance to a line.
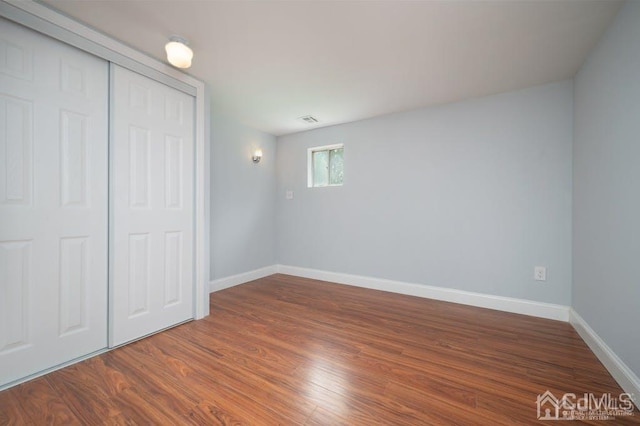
(270,62)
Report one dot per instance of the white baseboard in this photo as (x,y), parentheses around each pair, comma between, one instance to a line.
(626,378)
(226,282)
(507,304)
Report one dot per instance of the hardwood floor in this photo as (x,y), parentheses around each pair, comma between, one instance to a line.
(293,351)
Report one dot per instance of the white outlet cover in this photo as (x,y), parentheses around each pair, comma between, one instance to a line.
(289,195)
(540,273)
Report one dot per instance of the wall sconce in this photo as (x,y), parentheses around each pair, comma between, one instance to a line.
(178,53)
(257,156)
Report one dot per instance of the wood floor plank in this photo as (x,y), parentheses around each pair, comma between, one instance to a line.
(323,417)
(218,388)
(87,388)
(252,378)
(209,413)
(43,405)
(285,350)
(10,411)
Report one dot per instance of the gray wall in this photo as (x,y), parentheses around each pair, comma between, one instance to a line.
(470,196)
(606,215)
(242,198)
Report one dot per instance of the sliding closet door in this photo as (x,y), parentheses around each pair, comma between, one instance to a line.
(152,191)
(53,202)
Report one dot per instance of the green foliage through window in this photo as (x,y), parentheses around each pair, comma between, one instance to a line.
(327,166)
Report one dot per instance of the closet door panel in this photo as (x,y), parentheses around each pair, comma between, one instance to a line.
(152,212)
(53,202)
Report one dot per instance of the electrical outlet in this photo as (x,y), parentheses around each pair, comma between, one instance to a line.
(540,273)
(289,195)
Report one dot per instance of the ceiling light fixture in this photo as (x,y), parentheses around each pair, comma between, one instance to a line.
(178,53)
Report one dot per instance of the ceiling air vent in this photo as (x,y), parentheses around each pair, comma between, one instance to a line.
(308,119)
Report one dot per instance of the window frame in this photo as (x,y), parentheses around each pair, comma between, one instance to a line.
(310,152)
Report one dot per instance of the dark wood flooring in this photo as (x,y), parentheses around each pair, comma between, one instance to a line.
(293,351)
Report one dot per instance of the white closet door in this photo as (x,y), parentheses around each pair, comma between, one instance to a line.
(152,212)
(53,202)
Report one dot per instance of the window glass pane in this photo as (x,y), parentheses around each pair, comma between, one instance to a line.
(320,168)
(336,171)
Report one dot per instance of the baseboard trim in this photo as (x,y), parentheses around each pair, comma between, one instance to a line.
(234,280)
(626,378)
(507,304)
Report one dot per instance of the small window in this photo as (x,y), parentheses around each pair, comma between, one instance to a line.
(325,166)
